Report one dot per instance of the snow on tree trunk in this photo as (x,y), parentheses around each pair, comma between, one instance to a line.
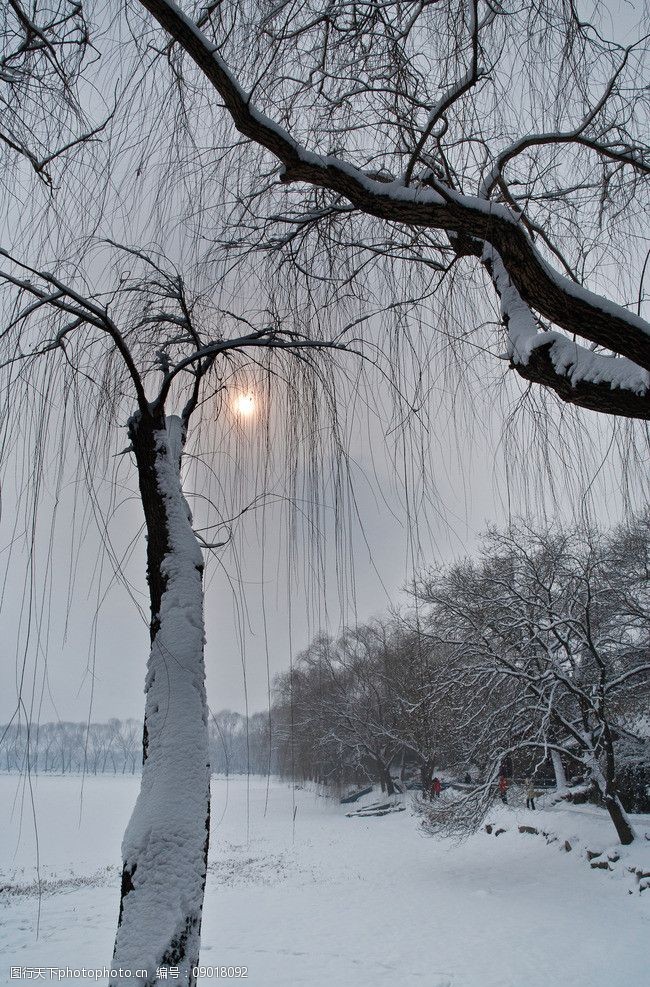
(558,770)
(166,841)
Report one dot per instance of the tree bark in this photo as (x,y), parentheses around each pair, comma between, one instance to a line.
(618,816)
(426,777)
(613,802)
(385,779)
(558,770)
(165,846)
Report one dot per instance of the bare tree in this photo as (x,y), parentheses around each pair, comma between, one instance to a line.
(420,724)
(430,134)
(227,729)
(421,157)
(402,163)
(348,706)
(305,697)
(43,50)
(363,716)
(548,636)
(139,352)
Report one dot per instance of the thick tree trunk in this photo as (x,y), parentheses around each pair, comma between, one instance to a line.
(426,777)
(385,779)
(166,842)
(619,817)
(613,803)
(558,770)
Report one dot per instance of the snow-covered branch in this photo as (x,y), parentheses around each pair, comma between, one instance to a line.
(470,222)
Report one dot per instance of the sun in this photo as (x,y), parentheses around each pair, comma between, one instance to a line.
(245,405)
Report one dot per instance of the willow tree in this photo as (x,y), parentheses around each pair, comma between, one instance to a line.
(507,141)
(153,355)
(427,147)
(426,163)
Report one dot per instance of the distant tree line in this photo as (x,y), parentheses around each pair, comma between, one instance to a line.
(64,748)
(237,745)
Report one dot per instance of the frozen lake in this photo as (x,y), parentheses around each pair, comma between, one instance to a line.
(302,895)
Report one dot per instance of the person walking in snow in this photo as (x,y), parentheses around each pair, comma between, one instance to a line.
(530,795)
(436,787)
(503,788)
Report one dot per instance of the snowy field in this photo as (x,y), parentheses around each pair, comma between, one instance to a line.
(302,895)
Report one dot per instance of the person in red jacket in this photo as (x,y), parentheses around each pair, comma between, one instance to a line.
(503,788)
(436,786)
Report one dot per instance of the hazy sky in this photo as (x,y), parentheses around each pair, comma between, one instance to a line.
(96,664)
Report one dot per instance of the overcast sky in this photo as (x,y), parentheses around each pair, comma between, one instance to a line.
(88,665)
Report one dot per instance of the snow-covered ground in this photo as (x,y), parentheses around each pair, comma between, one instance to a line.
(300,894)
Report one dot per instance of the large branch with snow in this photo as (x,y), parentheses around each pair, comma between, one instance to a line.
(602,382)
(596,381)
